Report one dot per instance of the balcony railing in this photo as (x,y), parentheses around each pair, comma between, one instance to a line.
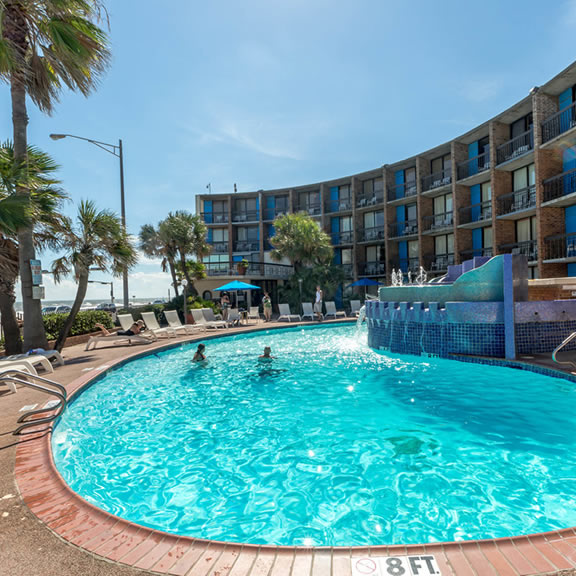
(347,269)
(265,269)
(370,234)
(371,268)
(522,199)
(339,205)
(475,165)
(516,147)
(528,248)
(249,216)
(313,209)
(559,186)
(559,123)
(342,237)
(439,262)
(561,246)
(215,217)
(477,253)
(476,212)
(406,228)
(243,246)
(438,221)
(406,264)
(437,180)
(219,247)
(399,191)
(273,213)
(363,200)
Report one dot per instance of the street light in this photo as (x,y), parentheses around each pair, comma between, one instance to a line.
(115,150)
(184,285)
(102,282)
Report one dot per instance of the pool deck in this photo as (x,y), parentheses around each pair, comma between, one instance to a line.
(46,529)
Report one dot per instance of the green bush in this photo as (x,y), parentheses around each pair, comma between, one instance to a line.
(83,324)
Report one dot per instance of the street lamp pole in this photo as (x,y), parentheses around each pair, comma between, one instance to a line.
(115,150)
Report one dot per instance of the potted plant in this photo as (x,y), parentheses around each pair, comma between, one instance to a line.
(243,266)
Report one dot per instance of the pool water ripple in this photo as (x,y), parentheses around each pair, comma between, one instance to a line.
(330,444)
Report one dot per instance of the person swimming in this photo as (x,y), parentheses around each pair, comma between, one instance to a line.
(199,355)
(267,354)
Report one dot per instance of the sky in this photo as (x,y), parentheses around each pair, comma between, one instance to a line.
(268,94)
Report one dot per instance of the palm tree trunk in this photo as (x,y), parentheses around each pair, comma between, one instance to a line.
(10,328)
(80,294)
(191,289)
(173,274)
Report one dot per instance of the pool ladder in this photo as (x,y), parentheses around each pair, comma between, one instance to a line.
(12,377)
(558,348)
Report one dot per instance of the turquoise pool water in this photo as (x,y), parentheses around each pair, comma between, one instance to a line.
(330,444)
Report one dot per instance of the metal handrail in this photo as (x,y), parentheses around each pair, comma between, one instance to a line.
(558,348)
(19,377)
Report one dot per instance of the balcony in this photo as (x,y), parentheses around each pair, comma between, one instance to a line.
(347,269)
(528,248)
(311,208)
(559,187)
(366,201)
(219,247)
(243,246)
(476,253)
(249,216)
(476,214)
(561,248)
(559,123)
(437,181)
(215,217)
(402,191)
(371,234)
(342,237)
(438,222)
(474,166)
(517,202)
(515,148)
(273,213)
(371,269)
(339,205)
(402,229)
(255,269)
(439,262)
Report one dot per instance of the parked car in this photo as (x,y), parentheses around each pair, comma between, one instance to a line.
(159,302)
(106,306)
(48,310)
(62,309)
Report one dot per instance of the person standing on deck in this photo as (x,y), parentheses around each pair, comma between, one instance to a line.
(318,303)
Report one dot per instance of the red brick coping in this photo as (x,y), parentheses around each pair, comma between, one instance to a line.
(86,526)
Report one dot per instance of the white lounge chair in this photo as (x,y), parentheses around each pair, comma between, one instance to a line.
(28,359)
(137,338)
(200,320)
(286,314)
(331,310)
(174,322)
(50,354)
(254,313)
(211,317)
(126,321)
(355,306)
(23,368)
(233,318)
(152,325)
(307,310)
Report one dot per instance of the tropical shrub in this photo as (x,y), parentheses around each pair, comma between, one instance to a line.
(83,323)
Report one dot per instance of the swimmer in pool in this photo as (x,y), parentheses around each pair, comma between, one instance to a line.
(267,354)
(199,355)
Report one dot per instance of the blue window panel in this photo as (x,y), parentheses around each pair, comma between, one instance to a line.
(477,240)
(572,269)
(399,181)
(569,163)
(337,256)
(570,219)
(208,218)
(400,217)
(403,254)
(335,229)
(237,258)
(334,195)
(270,206)
(476,198)
(472,153)
(271,231)
(564,100)
(338,297)
(209,236)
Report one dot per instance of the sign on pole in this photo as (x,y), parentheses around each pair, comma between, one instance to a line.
(36,268)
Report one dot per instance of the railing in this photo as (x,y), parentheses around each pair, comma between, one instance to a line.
(370,234)
(406,228)
(313,209)
(559,186)
(347,269)
(246,246)
(437,180)
(339,205)
(215,217)
(528,248)
(475,165)
(437,221)
(564,342)
(250,216)
(342,237)
(404,190)
(439,262)
(265,269)
(412,264)
(476,212)
(559,123)
(522,199)
(364,201)
(561,246)
(371,268)
(219,247)
(516,147)
(477,253)
(273,213)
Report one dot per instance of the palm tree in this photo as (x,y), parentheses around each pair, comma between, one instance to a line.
(188,233)
(300,239)
(41,212)
(155,243)
(98,241)
(45,45)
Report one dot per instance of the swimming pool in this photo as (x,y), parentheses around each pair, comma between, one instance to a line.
(331,444)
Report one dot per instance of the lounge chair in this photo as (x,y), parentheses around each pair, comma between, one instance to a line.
(285,313)
(174,322)
(307,310)
(331,310)
(355,306)
(28,359)
(152,325)
(200,320)
(210,316)
(233,318)
(23,368)
(94,340)
(254,313)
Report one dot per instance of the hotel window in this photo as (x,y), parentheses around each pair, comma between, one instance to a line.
(413,249)
(281,204)
(411,213)
(521,126)
(524,178)
(346,255)
(247,234)
(375,254)
(374,220)
(246,206)
(345,224)
(444,245)
(443,204)
(486,192)
(487,237)
(526,229)
(440,164)
(219,235)
(379,187)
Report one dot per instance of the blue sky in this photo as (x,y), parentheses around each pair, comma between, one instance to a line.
(275,93)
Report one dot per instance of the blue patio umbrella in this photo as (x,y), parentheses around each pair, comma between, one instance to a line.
(365,282)
(236,285)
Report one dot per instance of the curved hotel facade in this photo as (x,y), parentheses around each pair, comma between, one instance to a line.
(507,186)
